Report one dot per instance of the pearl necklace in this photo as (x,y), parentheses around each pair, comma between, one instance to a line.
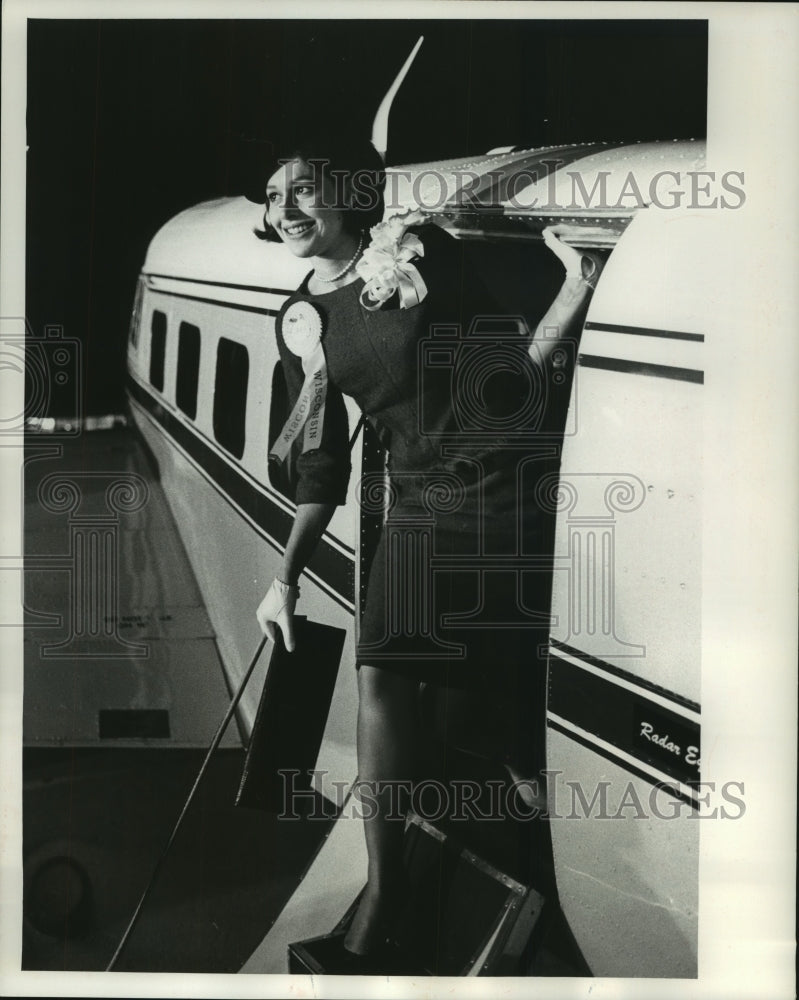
(346,267)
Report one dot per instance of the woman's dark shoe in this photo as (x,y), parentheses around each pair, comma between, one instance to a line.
(374,918)
(380,961)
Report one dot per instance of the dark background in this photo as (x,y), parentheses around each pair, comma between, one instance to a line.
(131,121)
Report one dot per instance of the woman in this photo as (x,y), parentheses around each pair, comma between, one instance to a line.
(356,325)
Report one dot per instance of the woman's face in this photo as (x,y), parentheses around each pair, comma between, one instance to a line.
(298,200)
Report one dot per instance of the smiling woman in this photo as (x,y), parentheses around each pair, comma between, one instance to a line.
(322,195)
(303,211)
(356,326)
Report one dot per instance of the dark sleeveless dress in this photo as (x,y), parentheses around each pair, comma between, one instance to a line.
(458,591)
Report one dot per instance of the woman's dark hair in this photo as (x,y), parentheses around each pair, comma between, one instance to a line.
(339,158)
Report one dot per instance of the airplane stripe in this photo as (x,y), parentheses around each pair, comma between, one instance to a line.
(215,302)
(627,720)
(261,531)
(203,290)
(269,491)
(220,284)
(641,368)
(643,350)
(582,658)
(332,567)
(609,753)
(644,331)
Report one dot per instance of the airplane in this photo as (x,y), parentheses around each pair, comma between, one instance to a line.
(207,393)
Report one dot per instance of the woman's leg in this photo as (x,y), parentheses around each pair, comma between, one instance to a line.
(387,719)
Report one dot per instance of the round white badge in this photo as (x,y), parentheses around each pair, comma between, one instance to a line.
(302,329)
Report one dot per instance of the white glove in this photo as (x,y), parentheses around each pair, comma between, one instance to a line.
(277,608)
(577,264)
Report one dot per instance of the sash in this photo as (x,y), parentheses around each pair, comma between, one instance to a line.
(302,332)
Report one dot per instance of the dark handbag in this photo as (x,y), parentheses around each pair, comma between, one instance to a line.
(291,718)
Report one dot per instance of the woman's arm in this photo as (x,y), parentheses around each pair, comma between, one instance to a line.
(309,524)
(322,476)
(277,607)
(568,310)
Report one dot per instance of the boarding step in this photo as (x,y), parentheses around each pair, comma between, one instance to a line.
(461,917)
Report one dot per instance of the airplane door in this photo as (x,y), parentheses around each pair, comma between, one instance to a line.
(623,720)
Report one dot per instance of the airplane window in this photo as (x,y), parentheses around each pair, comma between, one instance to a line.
(230,395)
(188,368)
(281,475)
(157,349)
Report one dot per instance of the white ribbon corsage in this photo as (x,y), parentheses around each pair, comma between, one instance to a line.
(386,263)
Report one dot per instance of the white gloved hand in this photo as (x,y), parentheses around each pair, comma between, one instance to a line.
(578,264)
(277,608)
